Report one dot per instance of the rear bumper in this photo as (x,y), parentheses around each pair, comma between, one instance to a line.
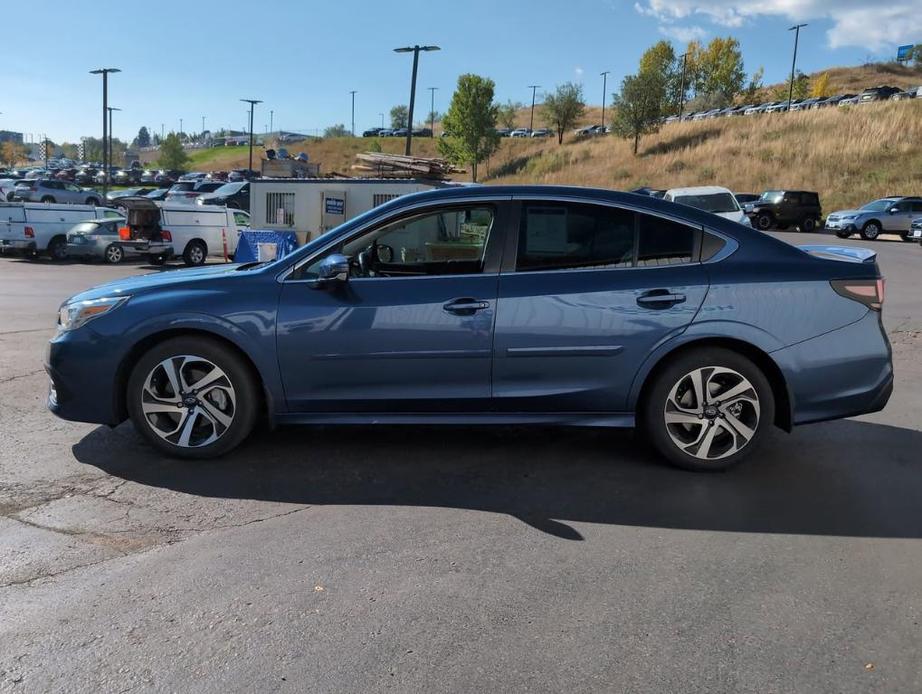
(844,373)
(17,244)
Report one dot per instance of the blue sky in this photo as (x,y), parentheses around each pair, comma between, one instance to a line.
(186,60)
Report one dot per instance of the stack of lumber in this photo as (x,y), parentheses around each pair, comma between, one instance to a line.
(400,166)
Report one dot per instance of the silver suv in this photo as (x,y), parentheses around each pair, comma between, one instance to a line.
(887,215)
(48,190)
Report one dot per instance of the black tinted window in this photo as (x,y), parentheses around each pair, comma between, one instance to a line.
(917,207)
(663,242)
(557,236)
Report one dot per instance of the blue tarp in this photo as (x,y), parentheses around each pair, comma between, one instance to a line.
(248,245)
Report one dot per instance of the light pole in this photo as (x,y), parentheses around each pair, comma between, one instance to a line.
(684,58)
(271,124)
(252,103)
(796,29)
(104,71)
(415,51)
(432,111)
(203,127)
(110,109)
(161,132)
(382,120)
(531,121)
(353,112)
(604,87)
(180,129)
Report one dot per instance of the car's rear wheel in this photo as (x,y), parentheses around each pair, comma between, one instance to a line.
(708,409)
(47,198)
(764,221)
(808,225)
(114,254)
(57,248)
(195,253)
(193,398)
(870,231)
(93,201)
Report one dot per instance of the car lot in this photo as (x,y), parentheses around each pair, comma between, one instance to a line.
(477,559)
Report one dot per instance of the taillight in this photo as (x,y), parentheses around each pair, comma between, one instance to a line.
(166,235)
(30,233)
(868,292)
(124,233)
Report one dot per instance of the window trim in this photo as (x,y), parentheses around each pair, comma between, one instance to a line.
(493,253)
(512,243)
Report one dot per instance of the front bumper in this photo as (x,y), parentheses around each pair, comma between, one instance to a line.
(841,225)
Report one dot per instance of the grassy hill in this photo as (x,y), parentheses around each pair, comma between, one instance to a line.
(849,155)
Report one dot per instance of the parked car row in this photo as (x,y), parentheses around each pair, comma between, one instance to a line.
(396,132)
(870,95)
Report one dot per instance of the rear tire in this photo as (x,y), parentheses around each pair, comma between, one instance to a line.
(93,201)
(157,260)
(193,423)
(47,198)
(688,423)
(808,225)
(114,254)
(57,248)
(195,254)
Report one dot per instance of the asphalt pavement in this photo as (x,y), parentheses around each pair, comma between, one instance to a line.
(437,559)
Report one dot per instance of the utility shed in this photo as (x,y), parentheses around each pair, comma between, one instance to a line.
(312,206)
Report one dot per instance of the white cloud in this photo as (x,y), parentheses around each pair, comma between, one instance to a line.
(682,34)
(578,71)
(866,23)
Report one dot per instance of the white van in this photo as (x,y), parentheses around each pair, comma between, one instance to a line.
(40,227)
(193,232)
(714,199)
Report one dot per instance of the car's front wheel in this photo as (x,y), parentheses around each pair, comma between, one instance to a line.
(843,233)
(708,409)
(193,397)
(870,231)
(765,221)
(114,254)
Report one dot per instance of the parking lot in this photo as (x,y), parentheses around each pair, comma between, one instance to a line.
(464,559)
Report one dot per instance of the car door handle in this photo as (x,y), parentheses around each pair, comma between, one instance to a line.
(660,298)
(466,306)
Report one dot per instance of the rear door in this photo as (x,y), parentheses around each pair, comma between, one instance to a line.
(586,292)
(900,220)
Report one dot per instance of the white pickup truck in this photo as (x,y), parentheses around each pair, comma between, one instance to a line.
(41,227)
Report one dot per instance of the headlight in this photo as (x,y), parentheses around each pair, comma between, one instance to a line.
(72,315)
(849,217)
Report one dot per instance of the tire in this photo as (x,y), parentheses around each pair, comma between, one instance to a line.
(765,221)
(9,197)
(905,236)
(47,198)
(740,424)
(114,254)
(808,225)
(57,248)
(187,422)
(871,230)
(93,201)
(842,233)
(195,254)
(156,259)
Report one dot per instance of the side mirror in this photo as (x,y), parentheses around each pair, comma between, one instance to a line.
(893,210)
(333,269)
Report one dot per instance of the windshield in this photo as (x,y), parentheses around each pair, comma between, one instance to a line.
(229,188)
(878,205)
(772,196)
(711,202)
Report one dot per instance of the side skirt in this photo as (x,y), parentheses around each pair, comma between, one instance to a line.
(579,419)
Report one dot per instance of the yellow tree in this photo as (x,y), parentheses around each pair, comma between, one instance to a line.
(11,153)
(820,88)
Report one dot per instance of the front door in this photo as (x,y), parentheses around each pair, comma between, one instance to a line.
(593,290)
(411,329)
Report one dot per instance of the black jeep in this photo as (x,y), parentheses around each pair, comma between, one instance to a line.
(780,209)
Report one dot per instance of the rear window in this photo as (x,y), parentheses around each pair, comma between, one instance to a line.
(85,228)
(664,242)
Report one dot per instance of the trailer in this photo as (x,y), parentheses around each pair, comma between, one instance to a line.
(312,206)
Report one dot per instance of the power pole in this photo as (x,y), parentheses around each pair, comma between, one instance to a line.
(415,51)
(531,121)
(353,112)
(252,103)
(684,58)
(432,111)
(604,88)
(796,29)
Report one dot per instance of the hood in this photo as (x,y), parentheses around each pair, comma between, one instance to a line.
(842,213)
(156,280)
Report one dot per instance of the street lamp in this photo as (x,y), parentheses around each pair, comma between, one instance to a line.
(604,87)
(104,71)
(382,120)
(353,112)
(110,109)
(684,58)
(252,103)
(271,119)
(534,89)
(796,29)
(432,111)
(415,51)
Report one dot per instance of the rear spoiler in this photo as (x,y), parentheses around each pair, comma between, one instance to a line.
(848,254)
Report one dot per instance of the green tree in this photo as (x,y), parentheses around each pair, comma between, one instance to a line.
(172,155)
(143,139)
(507,113)
(718,69)
(820,87)
(338,130)
(639,106)
(755,85)
(399,115)
(916,55)
(563,108)
(470,123)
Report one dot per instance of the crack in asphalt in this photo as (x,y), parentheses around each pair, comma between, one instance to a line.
(18,376)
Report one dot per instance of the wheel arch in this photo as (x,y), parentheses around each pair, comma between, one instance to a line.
(873,220)
(197,239)
(134,354)
(783,401)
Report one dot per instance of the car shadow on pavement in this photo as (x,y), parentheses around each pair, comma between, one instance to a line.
(846,478)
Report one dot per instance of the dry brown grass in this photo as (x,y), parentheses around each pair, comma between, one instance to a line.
(849,155)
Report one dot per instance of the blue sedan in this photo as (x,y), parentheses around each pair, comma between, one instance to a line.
(491,305)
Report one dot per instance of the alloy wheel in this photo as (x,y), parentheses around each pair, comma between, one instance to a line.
(114,254)
(871,231)
(188,401)
(712,413)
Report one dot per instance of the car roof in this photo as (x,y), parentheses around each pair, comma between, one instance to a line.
(698,190)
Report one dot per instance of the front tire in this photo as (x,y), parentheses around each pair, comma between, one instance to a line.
(765,221)
(47,198)
(708,409)
(870,231)
(193,398)
(57,248)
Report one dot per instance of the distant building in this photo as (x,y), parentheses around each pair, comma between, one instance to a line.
(10,136)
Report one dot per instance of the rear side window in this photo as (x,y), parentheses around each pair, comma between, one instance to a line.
(917,207)
(663,242)
(558,236)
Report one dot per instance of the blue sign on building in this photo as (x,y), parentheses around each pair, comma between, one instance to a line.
(904,52)
(335,206)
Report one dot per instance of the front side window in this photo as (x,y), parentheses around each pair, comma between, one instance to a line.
(448,242)
(561,235)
